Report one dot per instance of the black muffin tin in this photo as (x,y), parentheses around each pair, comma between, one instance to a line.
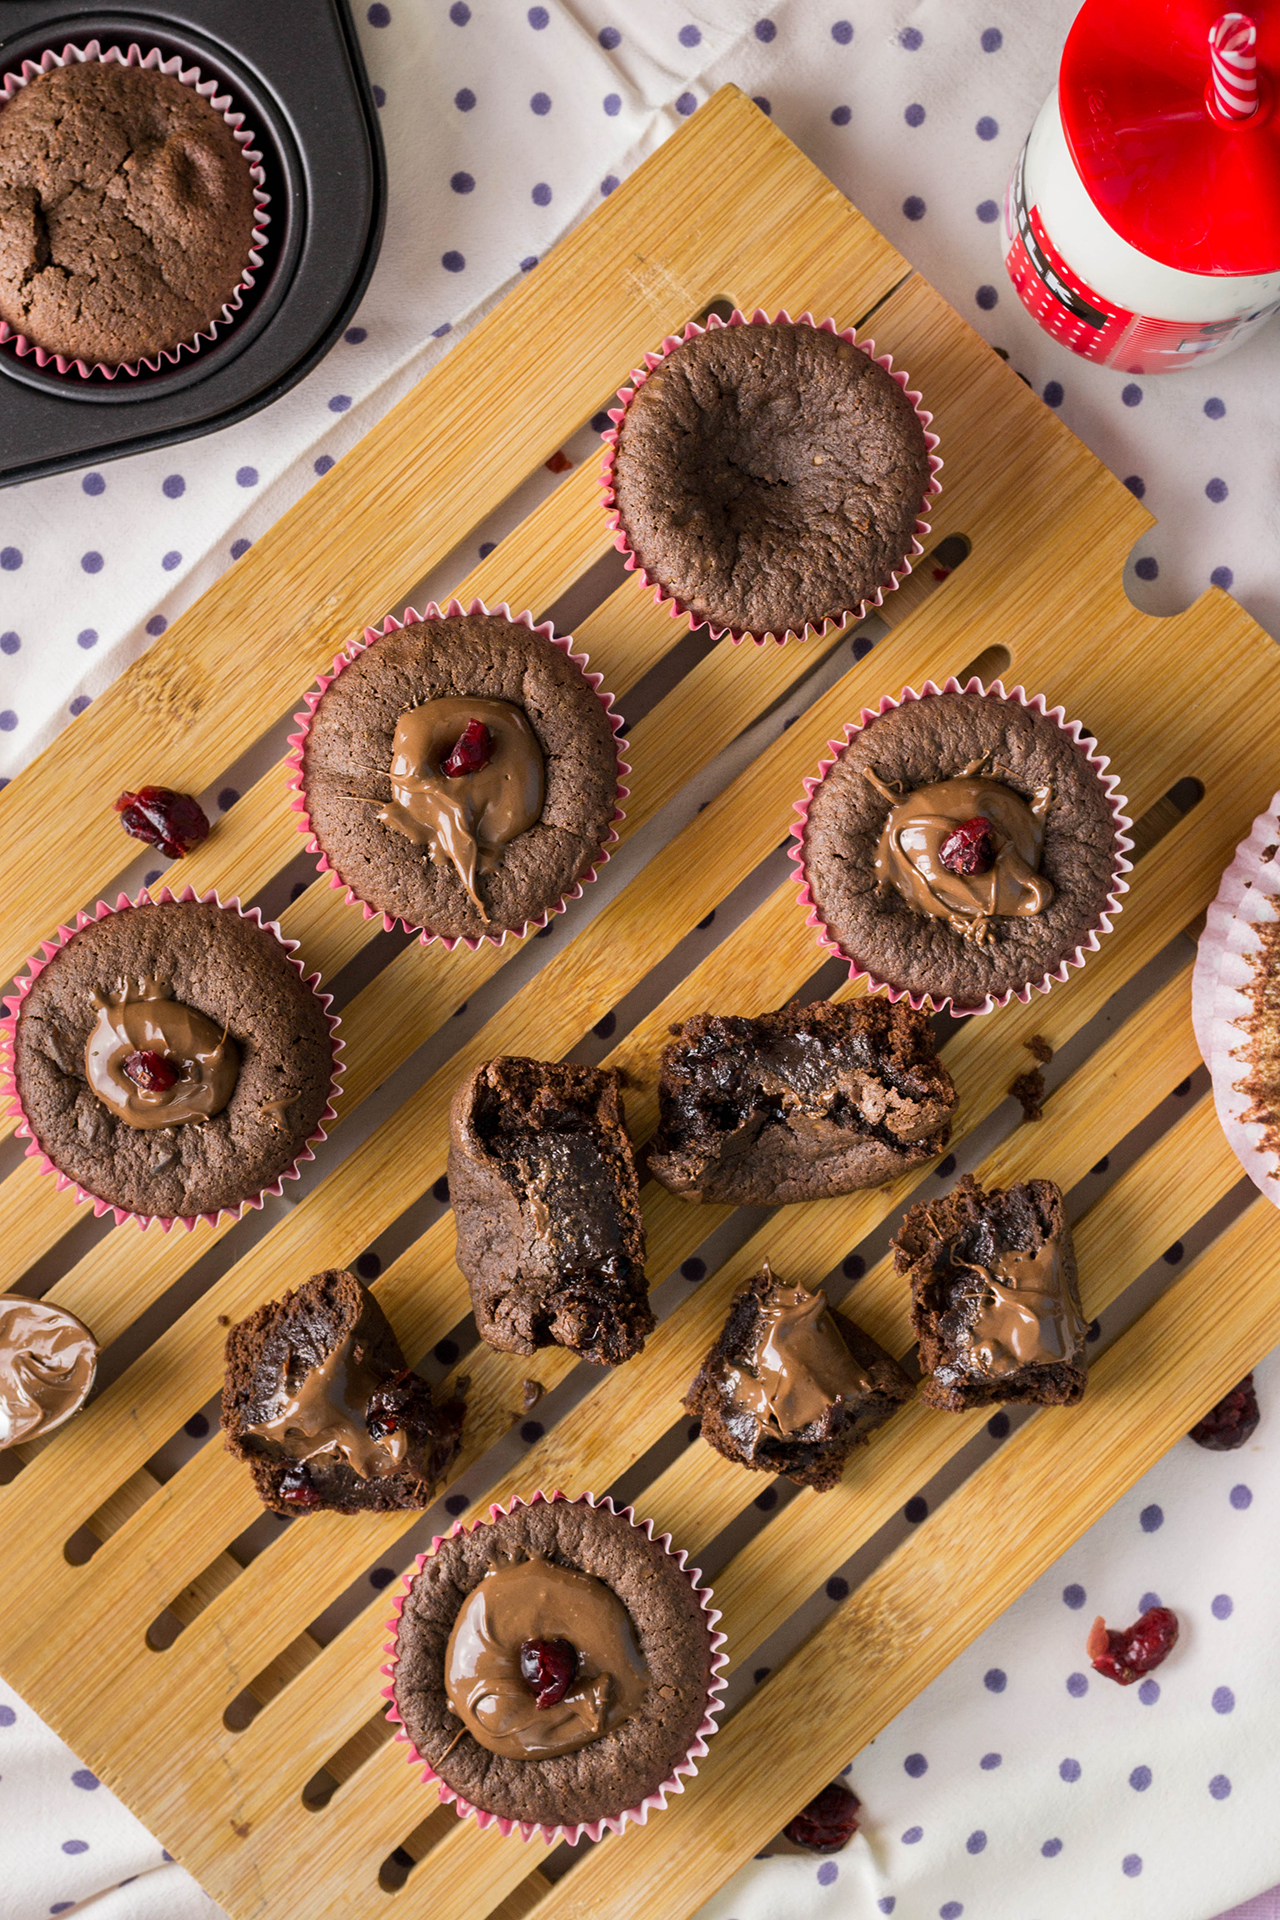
(294,66)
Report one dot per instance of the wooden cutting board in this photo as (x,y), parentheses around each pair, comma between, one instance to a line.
(300,1813)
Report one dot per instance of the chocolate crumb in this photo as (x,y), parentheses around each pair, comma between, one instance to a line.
(1028,1088)
(1039,1049)
(1269,854)
(224,1320)
(531,1391)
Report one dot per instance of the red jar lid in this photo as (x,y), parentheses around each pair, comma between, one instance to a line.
(1178,184)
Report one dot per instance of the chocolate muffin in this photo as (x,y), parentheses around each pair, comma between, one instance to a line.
(547,1206)
(961,847)
(319,1401)
(994,1298)
(791,1386)
(461,774)
(171,1060)
(126,212)
(553,1664)
(770,476)
(799,1104)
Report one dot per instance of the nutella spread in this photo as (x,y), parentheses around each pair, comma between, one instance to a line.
(47,1362)
(799,1367)
(464,821)
(1026,1316)
(141,1018)
(324,1415)
(908,855)
(537,1600)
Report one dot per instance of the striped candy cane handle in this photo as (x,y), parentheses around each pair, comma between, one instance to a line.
(1233,60)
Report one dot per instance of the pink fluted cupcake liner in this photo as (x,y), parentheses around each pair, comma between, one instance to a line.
(677,607)
(1084,745)
(71,55)
(684,1768)
(297,774)
(49,950)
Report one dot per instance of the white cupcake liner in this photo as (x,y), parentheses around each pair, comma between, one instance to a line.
(1083,743)
(297,773)
(677,607)
(153,59)
(49,950)
(614,1823)
(1248,897)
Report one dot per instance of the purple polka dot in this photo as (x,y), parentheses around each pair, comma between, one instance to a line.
(529,262)
(78,705)
(987,128)
(976,1842)
(915,1764)
(542,194)
(1173,1255)
(457,1503)
(227,799)
(998,1426)
(612,104)
(355,335)
(988,211)
(459,13)
(62,1906)
(440,1192)
(609,38)
(1147,568)
(995,1680)
(913,206)
(239,547)
(296,892)
(247,476)
(10,643)
(1140,1779)
(990,1761)
(914,114)
(1077,1685)
(1132,1865)
(1148,1601)
(339,403)
(1220,1787)
(1074,1596)
(166,1855)
(7,1716)
(93,484)
(156,625)
(694,1269)
(1216,491)
(853,1266)
(1151,1519)
(767,1500)
(1132,395)
(91,562)
(1069,1770)
(837,1587)
(1224,1700)
(539,18)
(911,38)
(171,560)
(761,1673)
(951,1909)
(86,638)
(174,487)
(686,104)
(324,463)
(766,31)
(381,1577)
(464,99)
(842,32)
(541,103)
(10,559)
(453,261)
(827,1873)
(379,96)
(609,185)
(841,116)
(486,548)
(689,37)
(886,1903)
(1053,393)
(83,1778)
(1149,1692)
(368,1265)
(606,1028)
(1214,409)
(1223,1606)
(531,1430)
(986,298)
(8,720)
(379,15)
(1222,577)
(198,1425)
(945,1167)
(75,1846)
(992,40)
(1051,1849)
(1136,485)
(1241,1497)
(462,182)
(1094,1330)
(438,333)
(912,1836)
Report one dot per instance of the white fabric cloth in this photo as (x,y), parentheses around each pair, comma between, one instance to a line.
(504,124)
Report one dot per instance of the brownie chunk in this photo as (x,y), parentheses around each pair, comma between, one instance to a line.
(547,1205)
(126,212)
(769,476)
(994,1299)
(792,1386)
(917,745)
(348,757)
(319,1401)
(609,1774)
(799,1104)
(218,964)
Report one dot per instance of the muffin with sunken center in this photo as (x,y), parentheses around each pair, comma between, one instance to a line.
(461,775)
(770,476)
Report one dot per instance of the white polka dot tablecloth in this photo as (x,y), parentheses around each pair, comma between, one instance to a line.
(1020,1786)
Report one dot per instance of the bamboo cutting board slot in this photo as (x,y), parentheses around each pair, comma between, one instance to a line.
(242,1731)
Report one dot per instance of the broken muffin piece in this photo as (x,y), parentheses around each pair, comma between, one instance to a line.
(799,1104)
(319,1401)
(994,1299)
(791,1386)
(547,1207)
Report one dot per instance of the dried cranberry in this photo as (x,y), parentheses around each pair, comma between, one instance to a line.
(151,1071)
(174,822)
(296,1488)
(1229,1424)
(473,751)
(969,848)
(1125,1657)
(829,1821)
(547,1668)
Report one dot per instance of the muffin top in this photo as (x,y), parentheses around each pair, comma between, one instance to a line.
(969,920)
(636,1612)
(171,1060)
(770,476)
(461,774)
(126,212)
